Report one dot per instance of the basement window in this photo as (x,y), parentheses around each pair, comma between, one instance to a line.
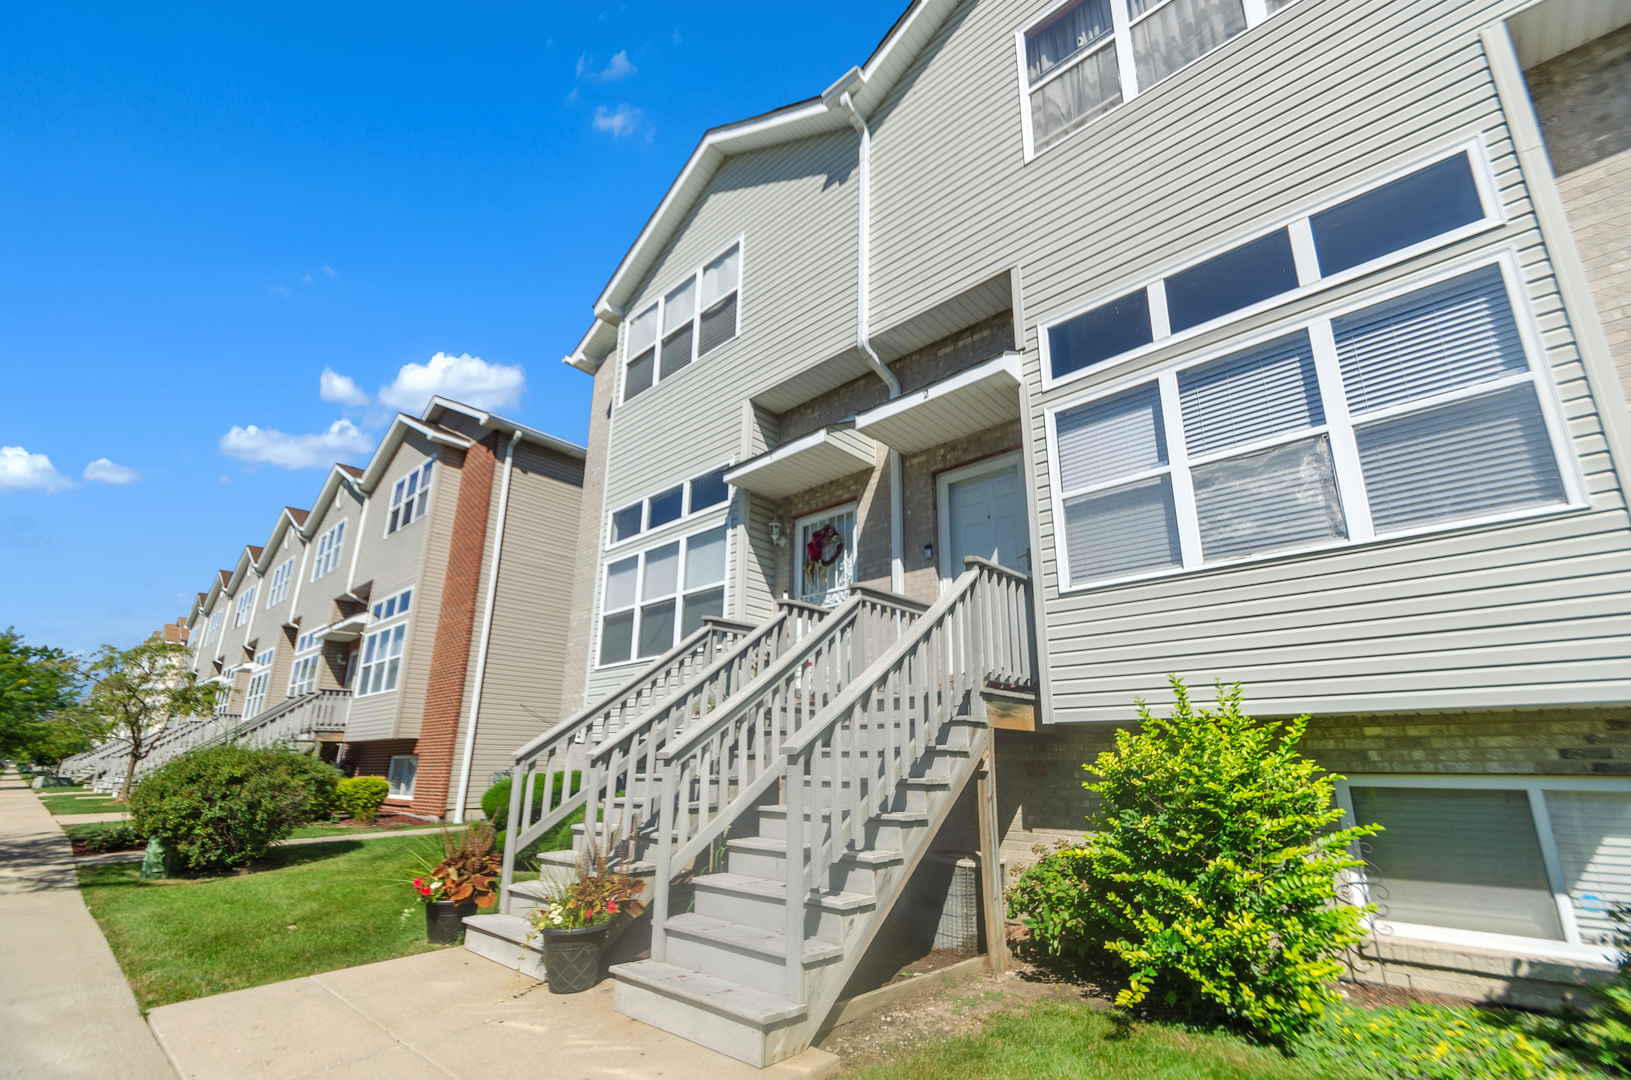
(404,767)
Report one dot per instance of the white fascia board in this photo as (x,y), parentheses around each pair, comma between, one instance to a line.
(824,455)
(1000,376)
(494,422)
(398,431)
(599,342)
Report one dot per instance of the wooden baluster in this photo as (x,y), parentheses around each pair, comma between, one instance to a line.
(794,913)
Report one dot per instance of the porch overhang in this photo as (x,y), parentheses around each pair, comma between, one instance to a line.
(345,630)
(817,458)
(970,401)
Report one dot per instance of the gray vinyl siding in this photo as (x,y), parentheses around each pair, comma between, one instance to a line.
(592,512)
(527,645)
(269,621)
(316,605)
(414,557)
(1530,613)
(795,207)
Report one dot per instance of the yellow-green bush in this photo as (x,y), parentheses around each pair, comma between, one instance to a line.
(362,796)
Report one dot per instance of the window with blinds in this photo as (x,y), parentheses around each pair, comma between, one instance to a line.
(1459,858)
(1593,834)
(1422,411)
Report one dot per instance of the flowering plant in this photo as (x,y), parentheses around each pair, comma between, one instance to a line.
(596,892)
(469,870)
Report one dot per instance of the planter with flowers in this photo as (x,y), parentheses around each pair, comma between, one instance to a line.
(465,881)
(580,911)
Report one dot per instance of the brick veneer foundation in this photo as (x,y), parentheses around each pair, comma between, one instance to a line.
(455,626)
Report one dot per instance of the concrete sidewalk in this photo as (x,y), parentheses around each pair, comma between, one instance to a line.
(436,1015)
(65,1008)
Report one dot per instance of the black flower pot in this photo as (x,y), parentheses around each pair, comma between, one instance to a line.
(444,920)
(572,957)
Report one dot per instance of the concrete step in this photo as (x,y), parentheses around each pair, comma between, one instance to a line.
(749,955)
(504,939)
(739,1021)
(760,902)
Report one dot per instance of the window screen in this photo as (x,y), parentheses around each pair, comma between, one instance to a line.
(1266,501)
(1458,858)
(709,490)
(666,506)
(1407,211)
(1179,32)
(1125,530)
(1089,89)
(1593,831)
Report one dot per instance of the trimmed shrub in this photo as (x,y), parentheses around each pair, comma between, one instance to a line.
(1209,876)
(362,796)
(495,801)
(223,806)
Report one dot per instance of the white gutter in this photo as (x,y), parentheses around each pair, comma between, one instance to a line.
(486,631)
(356,548)
(863,333)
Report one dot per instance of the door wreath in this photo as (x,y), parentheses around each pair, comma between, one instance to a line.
(821,550)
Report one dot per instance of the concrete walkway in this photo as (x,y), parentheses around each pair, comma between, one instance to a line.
(91,819)
(65,1008)
(436,1015)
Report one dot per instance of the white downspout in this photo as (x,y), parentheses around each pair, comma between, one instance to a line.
(486,632)
(356,548)
(863,338)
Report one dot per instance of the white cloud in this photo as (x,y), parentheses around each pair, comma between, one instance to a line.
(306,278)
(342,439)
(327,269)
(618,67)
(22,471)
(620,121)
(342,389)
(677,39)
(279,290)
(104,471)
(468,379)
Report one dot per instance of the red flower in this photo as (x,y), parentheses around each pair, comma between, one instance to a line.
(419,883)
(424,892)
(611,907)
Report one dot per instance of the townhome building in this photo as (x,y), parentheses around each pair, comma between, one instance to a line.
(413,620)
(1279,341)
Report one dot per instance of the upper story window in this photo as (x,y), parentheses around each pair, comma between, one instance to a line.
(687,323)
(214,630)
(381,660)
(1089,56)
(410,498)
(1418,412)
(328,552)
(279,589)
(393,606)
(1426,207)
(680,501)
(654,599)
(246,604)
(308,654)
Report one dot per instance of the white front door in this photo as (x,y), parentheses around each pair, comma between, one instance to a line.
(982,511)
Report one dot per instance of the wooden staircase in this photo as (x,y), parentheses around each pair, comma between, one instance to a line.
(821,769)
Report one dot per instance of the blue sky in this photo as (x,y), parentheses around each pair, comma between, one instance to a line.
(202,208)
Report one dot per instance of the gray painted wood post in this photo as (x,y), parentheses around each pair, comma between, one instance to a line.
(996,932)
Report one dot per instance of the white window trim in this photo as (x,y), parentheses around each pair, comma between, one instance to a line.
(332,553)
(943,483)
(1302,245)
(392,765)
(311,651)
(740,244)
(1569,949)
(278,591)
(382,627)
(689,517)
(1350,486)
(852,508)
(400,612)
(419,496)
(1122,24)
(679,589)
(213,633)
(244,609)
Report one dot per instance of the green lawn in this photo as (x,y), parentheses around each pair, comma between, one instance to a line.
(345,830)
(84,804)
(1052,1040)
(312,908)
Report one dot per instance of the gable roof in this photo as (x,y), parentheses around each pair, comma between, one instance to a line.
(866,86)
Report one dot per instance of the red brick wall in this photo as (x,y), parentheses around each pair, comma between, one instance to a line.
(455,624)
(373,758)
